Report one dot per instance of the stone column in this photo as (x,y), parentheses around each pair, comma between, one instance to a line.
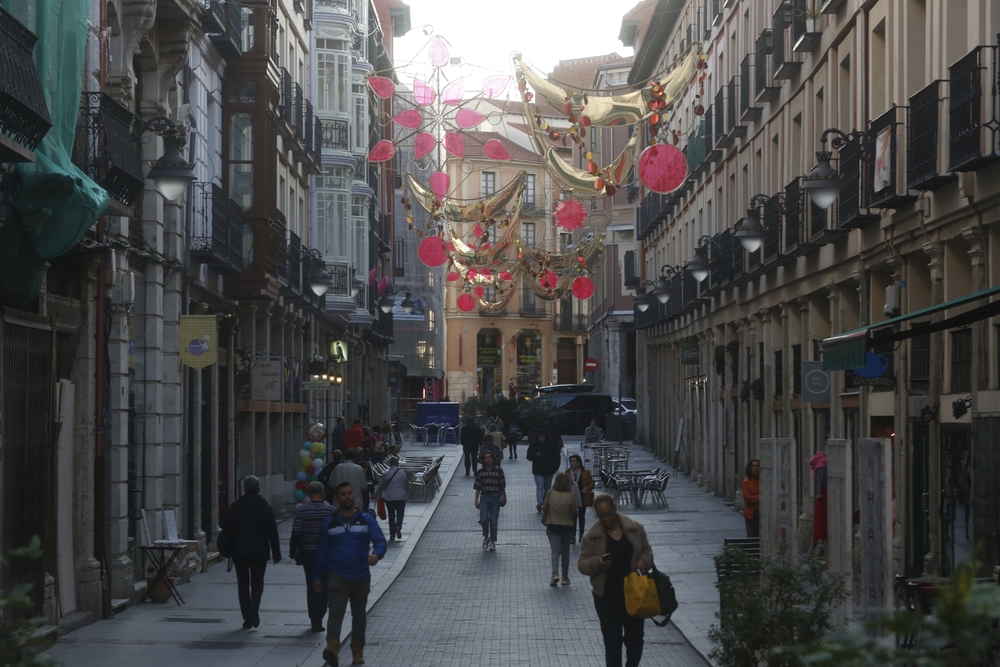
(932,560)
(808,446)
(767,405)
(903,446)
(836,377)
(980,344)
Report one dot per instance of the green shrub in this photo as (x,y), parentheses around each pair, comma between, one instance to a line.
(769,603)
(18,644)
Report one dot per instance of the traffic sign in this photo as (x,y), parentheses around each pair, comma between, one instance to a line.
(590,364)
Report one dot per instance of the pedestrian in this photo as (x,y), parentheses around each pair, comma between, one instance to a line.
(343,560)
(751,498)
(513,435)
(499,440)
(471,438)
(559,519)
(255,537)
(546,458)
(583,490)
(309,519)
(337,435)
(490,445)
(349,471)
(491,494)
(593,433)
(378,445)
(614,547)
(354,437)
(493,422)
(392,491)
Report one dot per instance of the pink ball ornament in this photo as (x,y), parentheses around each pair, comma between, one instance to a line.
(662,168)
(583,287)
(466,302)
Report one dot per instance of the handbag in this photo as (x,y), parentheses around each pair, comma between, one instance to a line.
(641,599)
(225,543)
(380,508)
(666,595)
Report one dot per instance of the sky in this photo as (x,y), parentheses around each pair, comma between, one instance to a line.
(486,33)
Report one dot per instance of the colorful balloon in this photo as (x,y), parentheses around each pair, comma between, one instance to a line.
(310,470)
(318,464)
(306,462)
(300,477)
(302,485)
(316,432)
(300,494)
(311,478)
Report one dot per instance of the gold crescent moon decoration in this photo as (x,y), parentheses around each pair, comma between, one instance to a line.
(477,212)
(650,103)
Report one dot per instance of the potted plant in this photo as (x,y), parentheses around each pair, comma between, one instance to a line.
(158,592)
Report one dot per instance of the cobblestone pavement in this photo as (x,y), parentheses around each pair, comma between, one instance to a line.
(438,599)
(455,604)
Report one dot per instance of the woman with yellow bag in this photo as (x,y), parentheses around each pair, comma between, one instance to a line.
(613,548)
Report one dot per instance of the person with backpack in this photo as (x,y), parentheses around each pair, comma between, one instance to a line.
(350,542)
(378,445)
(392,491)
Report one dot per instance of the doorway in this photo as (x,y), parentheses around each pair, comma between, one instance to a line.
(956,488)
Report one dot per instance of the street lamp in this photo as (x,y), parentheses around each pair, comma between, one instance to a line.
(662,291)
(319,279)
(699,267)
(356,285)
(749,232)
(171,173)
(388,301)
(823,182)
(642,300)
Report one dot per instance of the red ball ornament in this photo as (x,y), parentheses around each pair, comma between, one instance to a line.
(662,168)
(583,287)
(431,251)
(466,302)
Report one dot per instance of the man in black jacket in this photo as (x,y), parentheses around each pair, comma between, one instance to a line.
(471,437)
(337,436)
(255,537)
(546,460)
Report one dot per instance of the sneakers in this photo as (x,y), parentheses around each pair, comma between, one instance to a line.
(486,543)
(493,546)
(555,579)
(565,581)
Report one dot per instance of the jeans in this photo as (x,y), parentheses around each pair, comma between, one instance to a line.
(316,602)
(471,460)
(489,514)
(753,525)
(616,624)
(581,519)
(559,537)
(250,585)
(395,508)
(511,449)
(542,485)
(338,592)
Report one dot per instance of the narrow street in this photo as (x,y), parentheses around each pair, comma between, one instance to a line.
(437,598)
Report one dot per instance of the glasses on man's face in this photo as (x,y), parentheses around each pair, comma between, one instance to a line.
(606,515)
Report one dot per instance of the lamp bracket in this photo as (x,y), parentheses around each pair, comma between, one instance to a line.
(841,139)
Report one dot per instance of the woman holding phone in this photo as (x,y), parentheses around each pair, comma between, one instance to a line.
(612,548)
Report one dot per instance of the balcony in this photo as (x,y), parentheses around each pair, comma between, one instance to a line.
(796,236)
(716,13)
(820,231)
(852,205)
(223,24)
(712,153)
(24,118)
(771,250)
(720,261)
(883,145)
(974,117)
(531,306)
(651,211)
(763,70)
(285,115)
(738,271)
(570,321)
(298,113)
(277,258)
(105,150)
(696,150)
(923,159)
(805,35)
(690,298)
(534,209)
(719,119)
(217,230)
(294,254)
(781,52)
(335,134)
(340,275)
(734,123)
(749,111)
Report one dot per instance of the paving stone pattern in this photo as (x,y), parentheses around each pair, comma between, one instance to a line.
(455,604)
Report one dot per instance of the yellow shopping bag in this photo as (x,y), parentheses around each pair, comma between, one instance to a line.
(641,600)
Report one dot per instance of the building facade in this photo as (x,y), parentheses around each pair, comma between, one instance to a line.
(906,87)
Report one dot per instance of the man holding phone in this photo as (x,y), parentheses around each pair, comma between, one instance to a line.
(613,547)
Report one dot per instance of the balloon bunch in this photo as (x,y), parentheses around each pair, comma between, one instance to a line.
(311,457)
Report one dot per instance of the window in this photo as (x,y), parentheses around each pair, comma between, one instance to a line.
(249,18)
(796,370)
(489,183)
(961,361)
(779,374)
(360,120)
(920,361)
(528,232)
(399,257)
(332,73)
(241,159)
(529,190)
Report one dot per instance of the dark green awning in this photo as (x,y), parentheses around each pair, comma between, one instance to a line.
(847,350)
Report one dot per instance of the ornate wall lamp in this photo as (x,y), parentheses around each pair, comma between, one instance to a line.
(171,173)
(387,301)
(824,183)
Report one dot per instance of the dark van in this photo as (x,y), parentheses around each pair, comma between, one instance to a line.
(579,409)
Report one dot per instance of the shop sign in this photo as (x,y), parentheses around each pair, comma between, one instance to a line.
(689,352)
(265,379)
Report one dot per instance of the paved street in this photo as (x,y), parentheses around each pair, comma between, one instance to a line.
(438,600)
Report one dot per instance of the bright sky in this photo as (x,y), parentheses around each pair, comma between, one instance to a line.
(486,33)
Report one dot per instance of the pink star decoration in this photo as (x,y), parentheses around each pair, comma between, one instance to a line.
(569,214)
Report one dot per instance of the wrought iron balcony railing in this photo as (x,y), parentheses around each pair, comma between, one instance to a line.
(883,145)
(923,155)
(719,118)
(781,50)
(105,148)
(720,260)
(570,321)
(712,140)
(298,112)
(739,263)
(285,102)
(796,235)
(748,108)
(805,37)
(24,117)
(734,123)
(295,264)
(217,230)
(764,90)
(336,134)
(277,259)
(340,285)
(771,220)
(974,109)
(853,203)
(651,211)
(223,24)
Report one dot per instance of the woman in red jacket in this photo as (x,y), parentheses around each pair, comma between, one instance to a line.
(751,498)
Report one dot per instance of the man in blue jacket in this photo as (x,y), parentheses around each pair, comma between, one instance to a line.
(343,560)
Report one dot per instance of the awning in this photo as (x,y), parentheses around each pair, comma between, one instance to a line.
(847,350)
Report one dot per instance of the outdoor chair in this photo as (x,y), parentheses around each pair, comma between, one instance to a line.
(656,485)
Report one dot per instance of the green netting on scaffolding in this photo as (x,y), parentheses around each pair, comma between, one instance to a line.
(54,203)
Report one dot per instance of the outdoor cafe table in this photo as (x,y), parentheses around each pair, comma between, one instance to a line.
(635,478)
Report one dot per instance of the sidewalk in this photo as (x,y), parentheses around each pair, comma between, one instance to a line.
(207,630)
